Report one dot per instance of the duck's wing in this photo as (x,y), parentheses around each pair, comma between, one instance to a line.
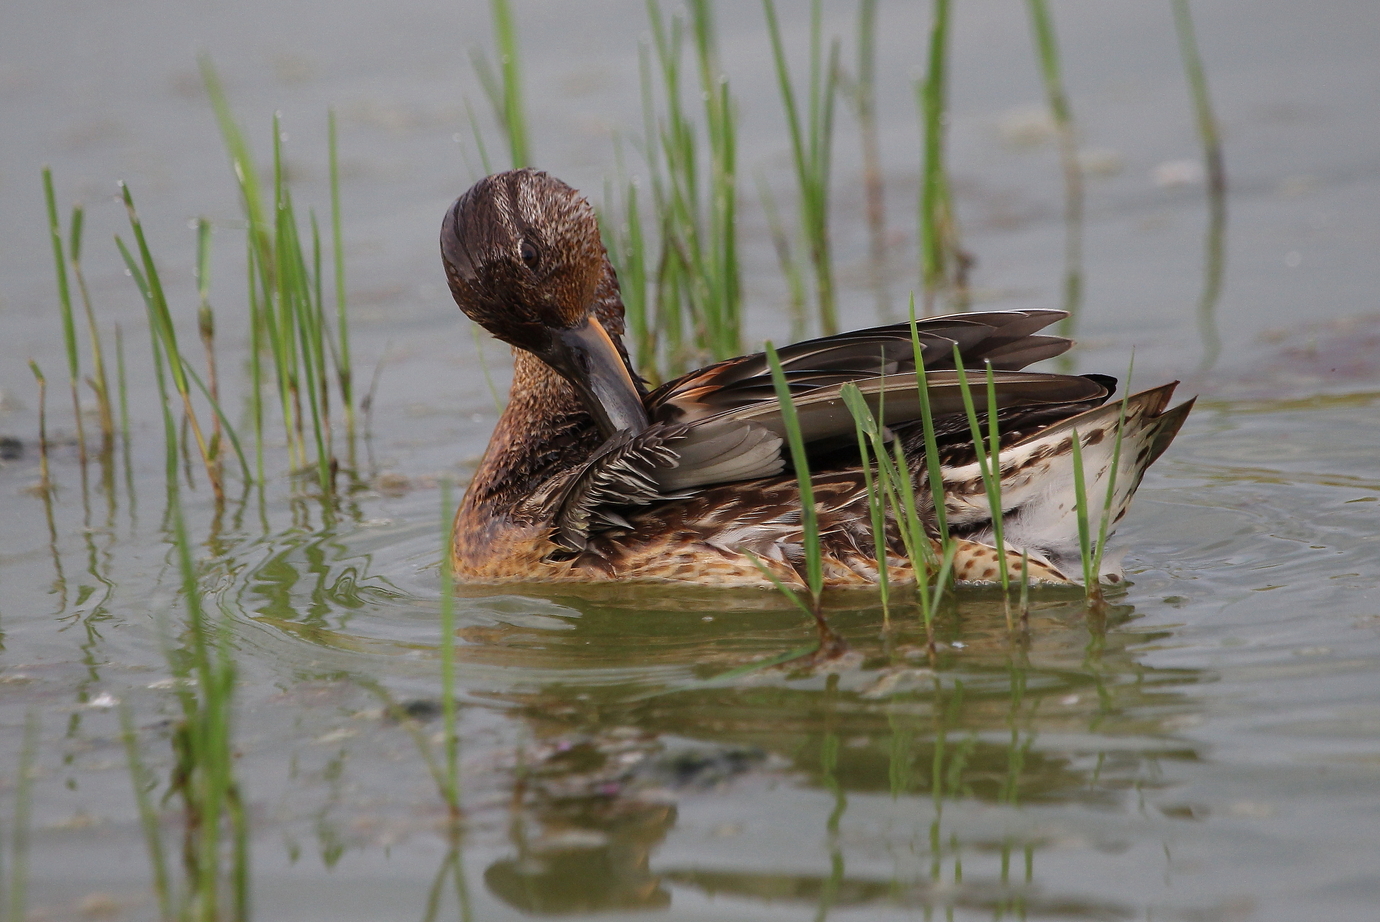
(746,442)
(723,424)
(675,460)
(734,424)
(1009,340)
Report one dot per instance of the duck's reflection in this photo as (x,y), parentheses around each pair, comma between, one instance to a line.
(942,759)
(589,809)
(964,779)
(591,856)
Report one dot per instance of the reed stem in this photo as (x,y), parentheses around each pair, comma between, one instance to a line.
(344,370)
(16,906)
(809,514)
(1047,48)
(46,482)
(1214,168)
(811,148)
(206,326)
(505,92)
(697,275)
(451,788)
(987,448)
(941,263)
(145,274)
(864,96)
(69,327)
(101,383)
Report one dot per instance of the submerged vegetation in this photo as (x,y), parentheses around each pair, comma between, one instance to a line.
(299,365)
(215,830)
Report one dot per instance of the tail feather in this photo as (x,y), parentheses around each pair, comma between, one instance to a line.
(1168,427)
(1039,499)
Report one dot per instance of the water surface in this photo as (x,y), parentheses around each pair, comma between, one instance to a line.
(1204,749)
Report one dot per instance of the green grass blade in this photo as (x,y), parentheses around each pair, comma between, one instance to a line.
(1025,586)
(988,465)
(229,430)
(478,136)
(315,344)
(994,484)
(790,268)
(151,287)
(1202,100)
(19,843)
(903,499)
(122,384)
(809,516)
(69,327)
(937,234)
(46,484)
(159,367)
(242,163)
(291,289)
(101,383)
(863,94)
(1104,525)
(781,587)
(69,330)
(344,370)
(1080,494)
(1214,165)
(148,815)
(865,428)
(161,324)
(786,89)
(206,326)
(935,471)
(257,327)
(810,150)
(941,583)
(448,711)
(1047,51)
(513,118)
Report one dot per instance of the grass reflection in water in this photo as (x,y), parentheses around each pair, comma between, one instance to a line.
(890,778)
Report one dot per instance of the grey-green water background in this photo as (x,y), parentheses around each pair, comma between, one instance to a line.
(1214,753)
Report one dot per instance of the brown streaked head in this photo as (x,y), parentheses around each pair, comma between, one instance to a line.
(524,260)
(522,250)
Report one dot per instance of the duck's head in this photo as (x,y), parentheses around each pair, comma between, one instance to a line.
(524,260)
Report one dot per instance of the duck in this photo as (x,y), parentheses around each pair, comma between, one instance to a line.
(591,475)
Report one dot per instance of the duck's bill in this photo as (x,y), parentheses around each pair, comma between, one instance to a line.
(589,360)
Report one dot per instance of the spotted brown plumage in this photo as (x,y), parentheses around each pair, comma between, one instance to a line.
(589,476)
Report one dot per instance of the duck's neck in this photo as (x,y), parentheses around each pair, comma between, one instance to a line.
(543,430)
(545,427)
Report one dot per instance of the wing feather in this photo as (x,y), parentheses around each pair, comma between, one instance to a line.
(723,424)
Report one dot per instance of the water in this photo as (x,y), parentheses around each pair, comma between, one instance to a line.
(1207,750)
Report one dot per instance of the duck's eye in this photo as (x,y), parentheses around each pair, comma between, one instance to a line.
(531,256)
